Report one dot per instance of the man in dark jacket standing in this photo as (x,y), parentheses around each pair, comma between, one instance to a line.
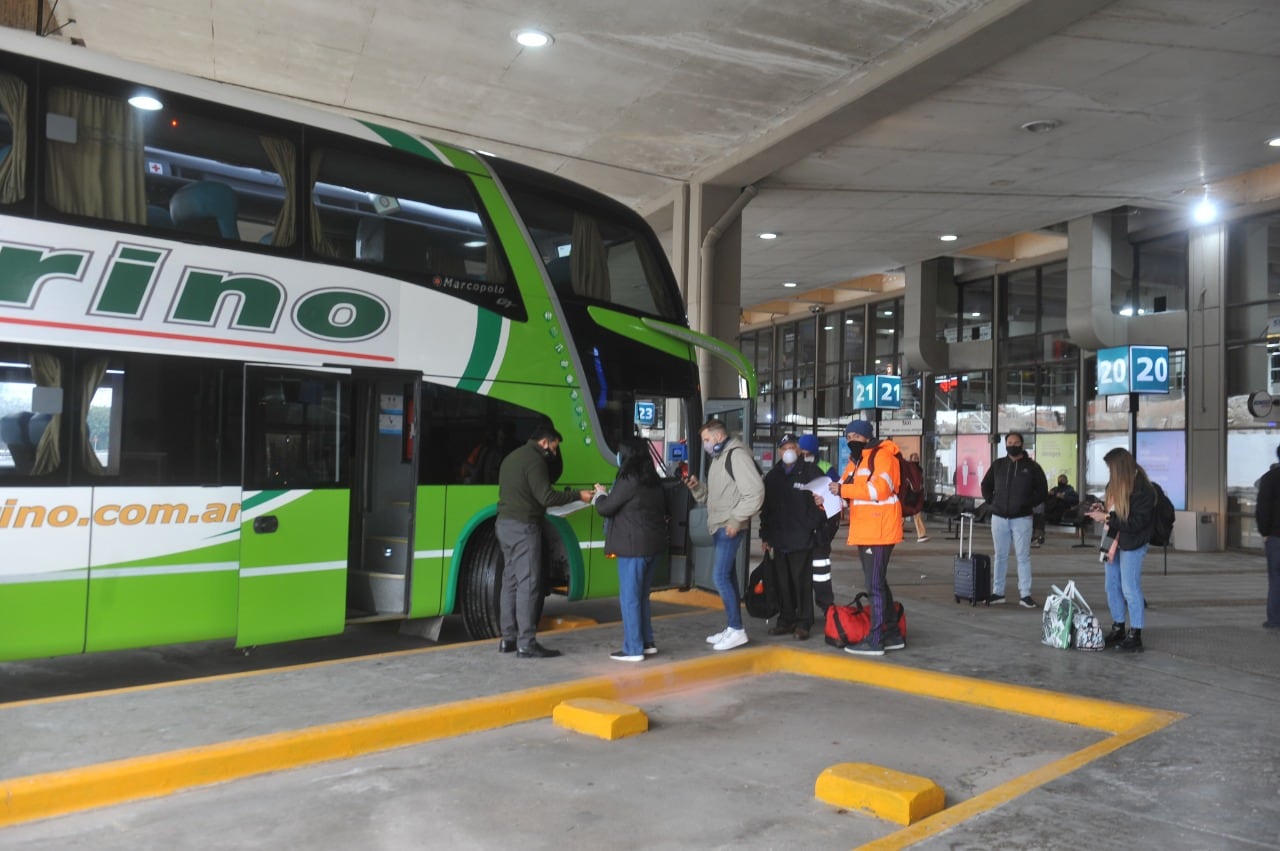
(1013,487)
(1268,518)
(787,521)
(524,495)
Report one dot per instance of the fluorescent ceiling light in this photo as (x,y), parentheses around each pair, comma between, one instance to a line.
(475,243)
(1275,143)
(532,38)
(768,235)
(948,237)
(790,284)
(145,102)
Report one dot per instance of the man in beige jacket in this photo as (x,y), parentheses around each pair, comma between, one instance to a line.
(733,493)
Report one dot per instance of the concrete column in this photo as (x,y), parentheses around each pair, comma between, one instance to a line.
(1206,375)
(920,343)
(706,205)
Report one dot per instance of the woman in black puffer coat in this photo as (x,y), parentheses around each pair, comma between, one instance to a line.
(636,533)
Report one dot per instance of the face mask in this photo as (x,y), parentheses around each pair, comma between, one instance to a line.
(855,449)
(789,457)
(1013,451)
(713,448)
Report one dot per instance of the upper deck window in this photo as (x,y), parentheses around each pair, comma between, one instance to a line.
(596,251)
(171,168)
(411,219)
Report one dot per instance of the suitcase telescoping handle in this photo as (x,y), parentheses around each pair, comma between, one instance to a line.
(963,516)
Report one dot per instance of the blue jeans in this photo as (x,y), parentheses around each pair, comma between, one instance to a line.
(1017,530)
(635,578)
(1124,586)
(725,575)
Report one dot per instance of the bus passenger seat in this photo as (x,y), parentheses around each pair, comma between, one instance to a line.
(206,207)
(371,239)
(158,217)
(13,434)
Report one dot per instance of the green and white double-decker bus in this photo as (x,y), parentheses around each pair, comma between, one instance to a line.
(258,363)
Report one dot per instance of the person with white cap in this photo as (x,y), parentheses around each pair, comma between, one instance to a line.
(870,484)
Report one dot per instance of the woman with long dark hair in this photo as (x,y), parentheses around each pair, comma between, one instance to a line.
(636,533)
(1129,512)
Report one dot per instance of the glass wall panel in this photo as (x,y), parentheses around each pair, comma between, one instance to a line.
(1053,297)
(1017,400)
(974,414)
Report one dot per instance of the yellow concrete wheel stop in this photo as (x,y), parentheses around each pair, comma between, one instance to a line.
(891,795)
(600,717)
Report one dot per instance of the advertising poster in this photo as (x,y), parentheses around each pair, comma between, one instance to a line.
(1056,454)
(908,445)
(1163,454)
(973,457)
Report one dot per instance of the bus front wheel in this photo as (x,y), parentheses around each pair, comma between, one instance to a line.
(482,585)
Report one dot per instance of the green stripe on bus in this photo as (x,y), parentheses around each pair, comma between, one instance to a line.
(402,140)
(254,501)
(483,350)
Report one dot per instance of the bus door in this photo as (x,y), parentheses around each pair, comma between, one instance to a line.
(382,514)
(296,503)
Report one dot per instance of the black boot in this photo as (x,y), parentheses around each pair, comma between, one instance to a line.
(1116,635)
(1132,642)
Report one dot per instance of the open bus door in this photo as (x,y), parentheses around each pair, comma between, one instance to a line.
(736,415)
(295,506)
(383,510)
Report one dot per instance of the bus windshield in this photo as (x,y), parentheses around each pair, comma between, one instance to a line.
(593,249)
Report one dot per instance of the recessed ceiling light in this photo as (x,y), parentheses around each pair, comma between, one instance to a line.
(1042,125)
(146,102)
(475,243)
(1275,143)
(768,235)
(828,327)
(790,284)
(975,314)
(1204,212)
(948,237)
(848,322)
(532,38)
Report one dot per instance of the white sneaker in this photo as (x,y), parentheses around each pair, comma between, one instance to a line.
(732,638)
(715,639)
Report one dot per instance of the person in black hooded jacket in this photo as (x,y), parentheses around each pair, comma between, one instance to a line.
(1013,487)
(636,534)
(787,523)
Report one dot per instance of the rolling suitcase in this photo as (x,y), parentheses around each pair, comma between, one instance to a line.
(972,572)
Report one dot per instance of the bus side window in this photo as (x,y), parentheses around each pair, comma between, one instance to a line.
(13,138)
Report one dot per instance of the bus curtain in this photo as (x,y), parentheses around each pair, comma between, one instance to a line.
(103,172)
(13,167)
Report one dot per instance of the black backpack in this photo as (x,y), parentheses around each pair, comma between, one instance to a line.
(1162,523)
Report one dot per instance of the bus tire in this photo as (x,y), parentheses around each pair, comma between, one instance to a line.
(482,585)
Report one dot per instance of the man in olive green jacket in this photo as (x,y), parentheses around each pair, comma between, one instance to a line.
(524,495)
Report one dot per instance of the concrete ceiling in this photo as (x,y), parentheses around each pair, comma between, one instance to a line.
(870,127)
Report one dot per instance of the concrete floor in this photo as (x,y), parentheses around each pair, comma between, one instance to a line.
(727,762)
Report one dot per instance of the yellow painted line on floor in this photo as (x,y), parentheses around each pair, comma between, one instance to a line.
(694,599)
(60,792)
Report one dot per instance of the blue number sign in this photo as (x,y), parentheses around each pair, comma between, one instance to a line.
(1149,369)
(646,413)
(1133,369)
(877,391)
